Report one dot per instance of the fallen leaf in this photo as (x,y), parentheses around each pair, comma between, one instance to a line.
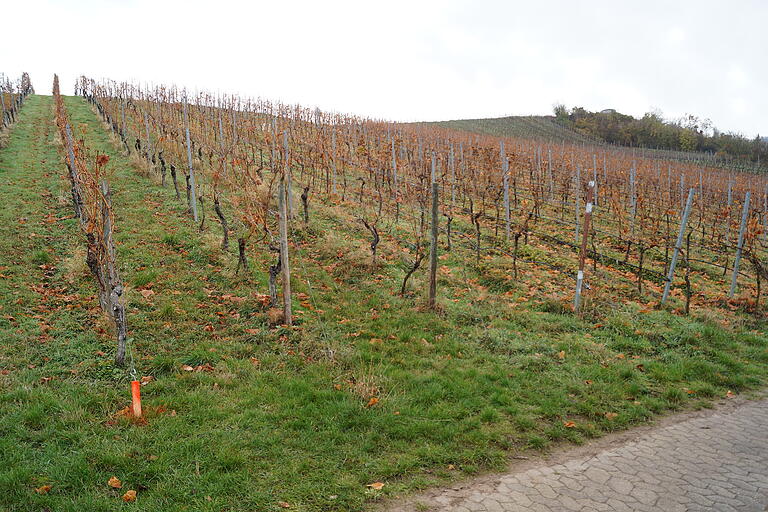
(129,496)
(146,293)
(376,486)
(284,504)
(561,354)
(43,489)
(611,415)
(569,424)
(730,394)
(373,401)
(187,368)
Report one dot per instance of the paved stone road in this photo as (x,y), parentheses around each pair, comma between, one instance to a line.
(718,462)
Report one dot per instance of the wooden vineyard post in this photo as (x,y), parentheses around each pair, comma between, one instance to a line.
(505,177)
(678,244)
(394,168)
(765,213)
(551,194)
(433,247)
(729,204)
(221,145)
(594,174)
(682,187)
(77,197)
(149,143)
(193,196)
(576,203)
(287,175)
(633,195)
(286,269)
(583,251)
(122,115)
(333,161)
(2,102)
(740,246)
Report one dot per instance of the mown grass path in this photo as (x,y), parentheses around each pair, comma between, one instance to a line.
(268,416)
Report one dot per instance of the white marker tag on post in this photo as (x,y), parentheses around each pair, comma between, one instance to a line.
(589,207)
(580,275)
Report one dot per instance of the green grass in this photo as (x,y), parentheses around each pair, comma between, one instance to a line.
(284,415)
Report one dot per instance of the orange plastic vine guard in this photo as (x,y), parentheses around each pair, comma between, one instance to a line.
(136,398)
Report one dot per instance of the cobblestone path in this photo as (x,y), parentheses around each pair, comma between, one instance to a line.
(717,462)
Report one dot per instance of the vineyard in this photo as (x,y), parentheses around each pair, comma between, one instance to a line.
(318,311)
(549,131)
(12,96)
(490,192)
(543,128)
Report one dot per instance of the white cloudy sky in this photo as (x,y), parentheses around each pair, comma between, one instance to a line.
(416,60)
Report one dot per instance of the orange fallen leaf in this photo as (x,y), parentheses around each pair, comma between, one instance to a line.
(115,483)
(373,401)
(376,486)
(284,504)
(561,354)
(146,293)
(43,489)
(729,394)
(129,496)
(611,415)
(569,424)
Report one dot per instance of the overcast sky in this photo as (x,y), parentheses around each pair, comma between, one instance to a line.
(415,60)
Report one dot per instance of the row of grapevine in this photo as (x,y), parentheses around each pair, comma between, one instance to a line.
(12,96)
(231,153)
(92,203)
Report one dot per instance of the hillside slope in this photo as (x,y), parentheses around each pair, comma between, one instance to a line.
(528,127)
(368,387)
(547,129)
